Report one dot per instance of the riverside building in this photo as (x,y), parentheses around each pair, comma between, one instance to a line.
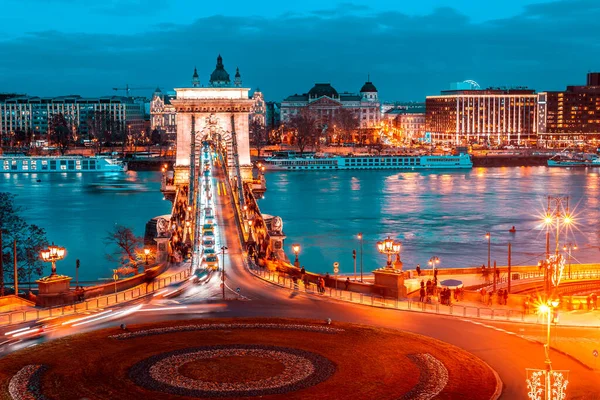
(32,114)
(571,116)
(324,101)
(488,116)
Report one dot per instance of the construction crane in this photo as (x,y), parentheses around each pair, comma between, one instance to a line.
(127,89)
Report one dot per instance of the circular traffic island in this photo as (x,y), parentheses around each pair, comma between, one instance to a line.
(246,358)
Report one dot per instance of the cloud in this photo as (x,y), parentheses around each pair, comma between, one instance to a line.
(546,47)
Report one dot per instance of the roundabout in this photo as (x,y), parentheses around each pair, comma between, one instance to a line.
(246,358)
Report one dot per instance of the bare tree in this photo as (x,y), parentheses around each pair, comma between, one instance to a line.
(346,122)
(127,246)
(259,136)
(60,132)
(305,129)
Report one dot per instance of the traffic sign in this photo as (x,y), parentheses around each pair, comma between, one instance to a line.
(237,290)
(595,353)
(336,267)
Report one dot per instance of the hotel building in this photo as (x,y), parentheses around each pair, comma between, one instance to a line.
(571,116)
(489,116)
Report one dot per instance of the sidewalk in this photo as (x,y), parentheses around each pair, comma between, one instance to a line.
(464,309)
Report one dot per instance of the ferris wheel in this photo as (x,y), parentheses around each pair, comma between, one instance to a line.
(474,85)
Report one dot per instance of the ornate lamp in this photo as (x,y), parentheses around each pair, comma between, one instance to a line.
(296,250)
(52,254)
(390,247)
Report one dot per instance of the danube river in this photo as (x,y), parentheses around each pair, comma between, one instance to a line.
(78,210)
(443,214)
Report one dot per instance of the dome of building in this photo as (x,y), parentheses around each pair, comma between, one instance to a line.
(323,89)
(219,77)
(368,87)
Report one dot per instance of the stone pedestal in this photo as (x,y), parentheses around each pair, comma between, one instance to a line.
(391,281)
(54,290)
(276,244)
(162,249)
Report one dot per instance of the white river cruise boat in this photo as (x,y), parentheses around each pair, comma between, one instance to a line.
(461,161)
(65,164)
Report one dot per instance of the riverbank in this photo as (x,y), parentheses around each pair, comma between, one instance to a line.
(152,164)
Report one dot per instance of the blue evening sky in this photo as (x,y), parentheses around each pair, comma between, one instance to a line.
(411,49)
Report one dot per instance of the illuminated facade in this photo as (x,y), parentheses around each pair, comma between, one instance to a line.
(324,102)
(490,116)
(572,116)
(32,114)
(162,114)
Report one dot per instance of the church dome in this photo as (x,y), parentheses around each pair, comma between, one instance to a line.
(323,89)
(368,87)
(219,77)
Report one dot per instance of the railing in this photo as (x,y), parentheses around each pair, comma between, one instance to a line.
(386,302)
(18,317)
(502,282)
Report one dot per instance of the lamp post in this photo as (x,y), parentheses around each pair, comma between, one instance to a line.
(488,236)
(296,250)
(569,247)
(554,383)
(433,261)
(53,254)
(360,237)
(223,270)
(146,252)
(389,247)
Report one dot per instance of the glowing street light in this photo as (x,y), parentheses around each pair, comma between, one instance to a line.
(390,247)
(147,253)
(433,261)
(53,254)
(488,236)
(296,250)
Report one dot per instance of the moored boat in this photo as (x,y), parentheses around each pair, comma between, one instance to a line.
(400,162)
(62,164)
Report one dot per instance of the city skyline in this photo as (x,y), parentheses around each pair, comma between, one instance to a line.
(409,53)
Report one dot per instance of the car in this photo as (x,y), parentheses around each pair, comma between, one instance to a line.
(206,173)
(206,252)
(211,262)
(208,227)
(208,244)
(208,235)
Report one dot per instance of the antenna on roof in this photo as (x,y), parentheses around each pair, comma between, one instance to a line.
(369,77)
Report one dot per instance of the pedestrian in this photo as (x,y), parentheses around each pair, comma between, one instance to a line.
(347,283)
(526,305)
(505,294)
(497,273)
(302,272)
(422,294)
(595,301)
(483,293)
(327,279)
(418,269)
(306,283)
(490,298)
(589,302)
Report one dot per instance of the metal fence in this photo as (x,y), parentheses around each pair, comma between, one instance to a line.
(18,317)
(386,302)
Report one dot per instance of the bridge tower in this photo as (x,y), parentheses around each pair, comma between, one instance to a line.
(219,111)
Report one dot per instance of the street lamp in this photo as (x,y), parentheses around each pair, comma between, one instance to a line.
(52,254)
(389,247)
(360,237)
(296,250)
(568,248)
(488,236)
(223,270)
(146,252)
(433,261)
(552,383)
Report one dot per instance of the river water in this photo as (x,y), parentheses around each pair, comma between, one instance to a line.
(78,210)
(443,214)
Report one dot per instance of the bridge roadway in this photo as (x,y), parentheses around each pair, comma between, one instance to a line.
(497,344)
